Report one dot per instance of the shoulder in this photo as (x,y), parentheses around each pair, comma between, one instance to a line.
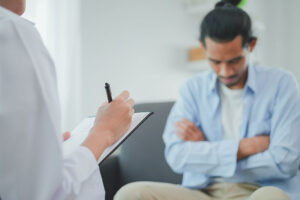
(16,39)
(16,33)
(275,79)
(197,86)
(8,15)
(4,13)
(199,80)
(8,18)
(272,75)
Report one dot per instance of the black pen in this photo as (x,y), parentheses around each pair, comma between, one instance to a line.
(108,92)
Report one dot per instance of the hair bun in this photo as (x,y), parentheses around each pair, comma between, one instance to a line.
(227,3)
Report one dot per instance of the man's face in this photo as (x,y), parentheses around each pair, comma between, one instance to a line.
(16,6)
(229,61)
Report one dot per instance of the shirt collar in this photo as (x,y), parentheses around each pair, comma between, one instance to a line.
(250,83)
(30,22)
(251,79)
(15,15)
(214,82)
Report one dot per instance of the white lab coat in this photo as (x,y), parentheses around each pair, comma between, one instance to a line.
(32,166)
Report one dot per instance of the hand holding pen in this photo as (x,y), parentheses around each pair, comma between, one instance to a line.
(112,121)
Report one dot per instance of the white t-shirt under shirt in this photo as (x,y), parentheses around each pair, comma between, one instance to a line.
(232,107)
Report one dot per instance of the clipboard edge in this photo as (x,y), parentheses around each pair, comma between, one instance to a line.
(133,130)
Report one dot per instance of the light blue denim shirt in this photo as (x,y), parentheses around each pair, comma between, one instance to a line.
(271,106)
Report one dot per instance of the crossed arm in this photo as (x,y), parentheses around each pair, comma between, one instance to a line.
(188,131)
(258,158)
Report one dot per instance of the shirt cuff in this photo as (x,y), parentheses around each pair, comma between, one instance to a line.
(81,164)
(228,150)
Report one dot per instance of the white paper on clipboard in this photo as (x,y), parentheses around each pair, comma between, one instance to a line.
(81,131)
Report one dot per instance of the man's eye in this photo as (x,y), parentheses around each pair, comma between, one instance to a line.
(215,62)
(234,61)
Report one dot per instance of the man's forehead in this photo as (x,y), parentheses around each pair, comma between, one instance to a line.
(224,51)
(237,41)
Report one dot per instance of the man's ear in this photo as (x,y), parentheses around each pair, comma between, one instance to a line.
(252,44)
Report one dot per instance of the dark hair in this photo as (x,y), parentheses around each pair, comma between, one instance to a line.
(225,22)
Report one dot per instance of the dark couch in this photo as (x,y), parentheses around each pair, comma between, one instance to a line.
(142,154)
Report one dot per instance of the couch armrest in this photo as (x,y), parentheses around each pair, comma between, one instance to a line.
(110,172)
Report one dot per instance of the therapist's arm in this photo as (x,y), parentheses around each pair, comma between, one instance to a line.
(81,174)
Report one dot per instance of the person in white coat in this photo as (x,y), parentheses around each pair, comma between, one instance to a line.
(32,166)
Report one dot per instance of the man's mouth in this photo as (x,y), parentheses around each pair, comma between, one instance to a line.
(228,80)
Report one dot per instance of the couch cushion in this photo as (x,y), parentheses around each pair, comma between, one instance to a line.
(142,154)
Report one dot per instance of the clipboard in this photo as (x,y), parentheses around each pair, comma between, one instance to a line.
(81,131)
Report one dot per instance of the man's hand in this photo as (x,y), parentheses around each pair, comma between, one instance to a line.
(188,131)
(254,145)
(66,136)
(111,122)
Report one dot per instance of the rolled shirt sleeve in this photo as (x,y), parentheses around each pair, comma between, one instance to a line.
(282,159)
(216,159)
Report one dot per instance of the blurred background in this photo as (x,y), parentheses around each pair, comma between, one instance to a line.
(146,47)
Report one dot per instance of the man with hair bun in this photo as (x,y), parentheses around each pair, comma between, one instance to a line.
(234,131)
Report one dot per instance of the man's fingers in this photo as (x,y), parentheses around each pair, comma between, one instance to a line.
(181,125)
(181,135)
(188,129)
(187,122)
(178,134)
(124,95)
(263,138)
(198,137)
(181,128)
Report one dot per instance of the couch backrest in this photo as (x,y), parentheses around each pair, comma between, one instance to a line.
(142,154)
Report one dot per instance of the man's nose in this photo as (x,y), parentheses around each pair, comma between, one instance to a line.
(225,70)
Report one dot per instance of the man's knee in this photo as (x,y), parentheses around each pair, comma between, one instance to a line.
(269,193)
(133,191)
